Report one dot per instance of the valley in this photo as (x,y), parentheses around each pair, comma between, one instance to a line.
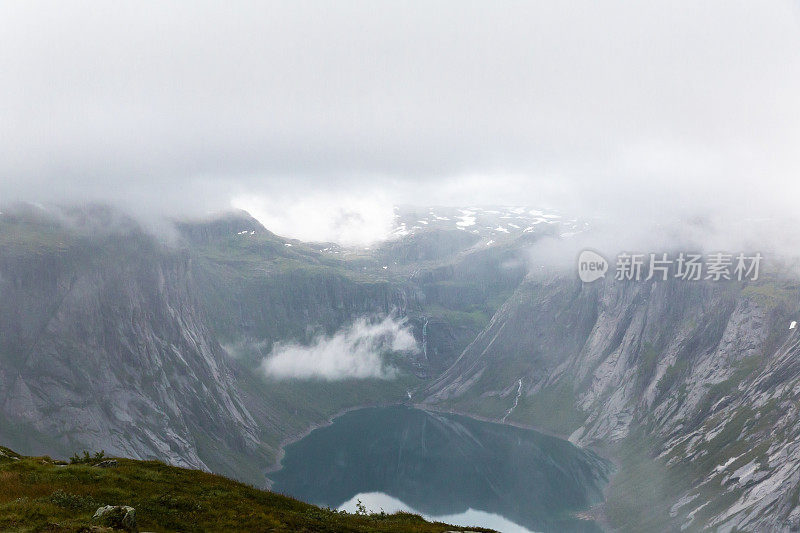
(153,347)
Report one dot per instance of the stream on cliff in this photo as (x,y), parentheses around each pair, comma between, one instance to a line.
(445,467)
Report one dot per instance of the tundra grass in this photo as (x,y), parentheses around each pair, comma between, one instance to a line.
(38,494)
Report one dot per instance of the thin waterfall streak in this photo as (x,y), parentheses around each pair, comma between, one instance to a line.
(516,400)
(425,339)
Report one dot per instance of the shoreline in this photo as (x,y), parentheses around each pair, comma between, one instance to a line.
(291,439)
(595,513)
(604,453)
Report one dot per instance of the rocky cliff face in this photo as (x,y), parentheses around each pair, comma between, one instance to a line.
(258,289)
(103,346)
(111,340)
(707,372)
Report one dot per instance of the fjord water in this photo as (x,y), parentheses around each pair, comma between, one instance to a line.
(447,467)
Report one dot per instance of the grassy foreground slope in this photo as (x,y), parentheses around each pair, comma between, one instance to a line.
(39,494)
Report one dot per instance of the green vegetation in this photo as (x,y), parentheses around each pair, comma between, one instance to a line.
(39,494)
(641,491)
(640,494)
(300,404)
(474,319)
(648,357)
(23,237)
(671,378)
(87,458)
(771,293)
(744,370)
(552,408)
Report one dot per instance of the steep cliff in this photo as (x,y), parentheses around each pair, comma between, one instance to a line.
(103,346)
(111,339)
(699,377)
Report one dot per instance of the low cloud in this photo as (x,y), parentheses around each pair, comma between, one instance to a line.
(775,238)
(354,352)
(317,117)
(353,220)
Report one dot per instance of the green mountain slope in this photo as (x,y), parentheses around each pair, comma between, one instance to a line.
(38,494)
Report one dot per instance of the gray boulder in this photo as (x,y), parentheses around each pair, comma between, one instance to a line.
(117,517)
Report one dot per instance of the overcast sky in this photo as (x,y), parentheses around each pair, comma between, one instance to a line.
(297,110)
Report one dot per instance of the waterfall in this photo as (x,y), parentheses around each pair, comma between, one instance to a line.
(516,400)
(425,338)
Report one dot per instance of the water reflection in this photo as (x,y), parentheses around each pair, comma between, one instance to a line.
(446,466)
(378,501)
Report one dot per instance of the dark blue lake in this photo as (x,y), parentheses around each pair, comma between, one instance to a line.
(445,467)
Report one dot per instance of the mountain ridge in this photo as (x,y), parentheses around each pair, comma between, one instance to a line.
(680,382)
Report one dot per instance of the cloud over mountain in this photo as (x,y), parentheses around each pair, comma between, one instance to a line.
(354,352)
